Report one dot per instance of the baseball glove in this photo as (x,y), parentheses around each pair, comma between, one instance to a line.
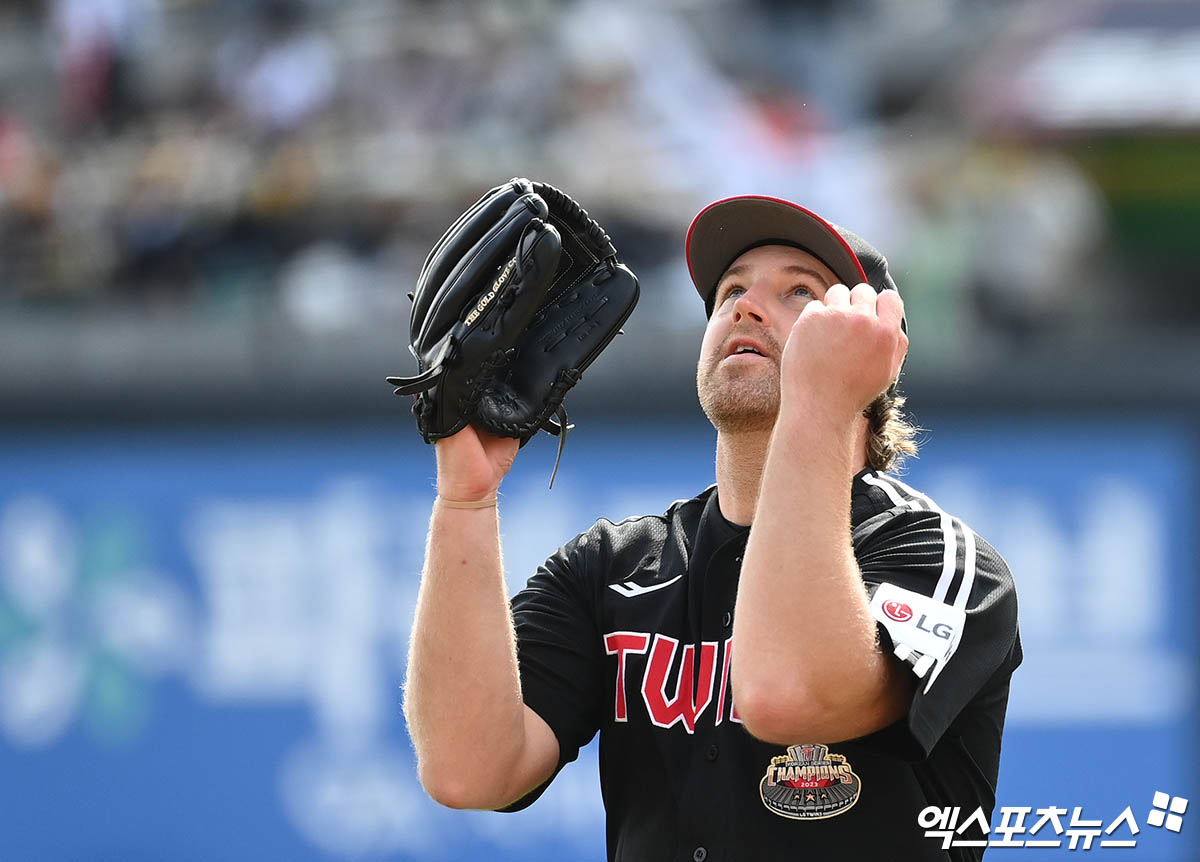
(513,303)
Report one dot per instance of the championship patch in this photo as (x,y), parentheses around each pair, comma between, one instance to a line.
(809,783)
(925,632)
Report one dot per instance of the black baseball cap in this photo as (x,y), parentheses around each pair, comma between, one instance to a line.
(726,229)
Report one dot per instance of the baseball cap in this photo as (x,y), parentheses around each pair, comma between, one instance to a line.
(726,229)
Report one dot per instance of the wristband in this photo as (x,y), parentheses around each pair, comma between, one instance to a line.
(467,504)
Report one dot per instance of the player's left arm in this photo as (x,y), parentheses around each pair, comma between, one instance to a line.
(807,663)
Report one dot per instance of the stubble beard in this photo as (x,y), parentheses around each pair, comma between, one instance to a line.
(736,399)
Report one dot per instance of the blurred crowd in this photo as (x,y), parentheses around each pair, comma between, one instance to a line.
(296,158)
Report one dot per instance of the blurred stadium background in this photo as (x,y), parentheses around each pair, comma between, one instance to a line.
(212,509)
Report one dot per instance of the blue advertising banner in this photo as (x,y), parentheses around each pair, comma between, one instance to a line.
(203,634)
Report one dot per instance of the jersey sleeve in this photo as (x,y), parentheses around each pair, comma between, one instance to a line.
(955,601)
(558,652)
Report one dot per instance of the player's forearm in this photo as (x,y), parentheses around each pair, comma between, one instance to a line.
(462,694)
(805,639)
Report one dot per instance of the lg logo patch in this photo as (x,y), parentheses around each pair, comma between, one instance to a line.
(939,630)
(924,631)
(902,613)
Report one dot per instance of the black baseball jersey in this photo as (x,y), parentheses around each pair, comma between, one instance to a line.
(626,630)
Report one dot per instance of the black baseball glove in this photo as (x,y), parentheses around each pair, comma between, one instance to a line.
(514,302)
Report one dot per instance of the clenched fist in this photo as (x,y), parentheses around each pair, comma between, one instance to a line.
(844,349)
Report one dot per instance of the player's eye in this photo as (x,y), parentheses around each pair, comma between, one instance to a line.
(732,292)
(801,290)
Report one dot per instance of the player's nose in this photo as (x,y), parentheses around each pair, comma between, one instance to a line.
(749,305)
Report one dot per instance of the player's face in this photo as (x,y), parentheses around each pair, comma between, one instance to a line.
(757,300)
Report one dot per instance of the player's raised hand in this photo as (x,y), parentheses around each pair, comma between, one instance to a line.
(472,463)
(845,349)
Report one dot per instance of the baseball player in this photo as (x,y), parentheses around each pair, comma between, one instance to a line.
(791,664)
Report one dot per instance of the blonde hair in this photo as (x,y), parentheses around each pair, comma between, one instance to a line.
(890,436)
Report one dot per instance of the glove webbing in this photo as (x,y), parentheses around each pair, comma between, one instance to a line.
(570,211)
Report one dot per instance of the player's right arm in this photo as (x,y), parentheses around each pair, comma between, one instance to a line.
(478,745)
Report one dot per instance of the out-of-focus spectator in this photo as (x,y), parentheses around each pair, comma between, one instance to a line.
(25,171)
(282,71)
(1035,223)
(1000,248)
(94,41)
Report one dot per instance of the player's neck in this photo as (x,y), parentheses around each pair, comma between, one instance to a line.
(740,459)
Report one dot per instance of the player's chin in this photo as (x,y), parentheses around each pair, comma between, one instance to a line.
(739,368)
(740,419)
(739,408)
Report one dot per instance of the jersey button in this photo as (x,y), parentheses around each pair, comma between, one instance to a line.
(699,854)
(726,619)
(712,752)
